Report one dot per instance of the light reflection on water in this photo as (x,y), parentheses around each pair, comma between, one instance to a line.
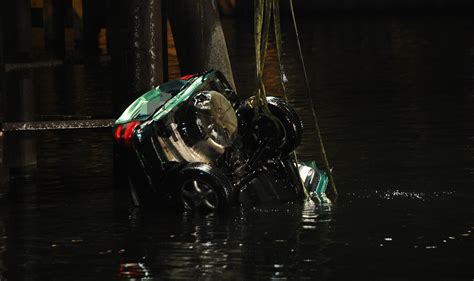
(202,250)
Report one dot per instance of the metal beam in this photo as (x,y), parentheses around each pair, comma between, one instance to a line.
(57,125)
(8,67)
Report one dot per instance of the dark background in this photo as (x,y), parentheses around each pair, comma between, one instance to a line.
(393,85)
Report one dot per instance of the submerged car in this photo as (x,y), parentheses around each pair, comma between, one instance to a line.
(193,143)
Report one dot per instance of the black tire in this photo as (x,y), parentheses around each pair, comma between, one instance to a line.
(204,188)
(293,128)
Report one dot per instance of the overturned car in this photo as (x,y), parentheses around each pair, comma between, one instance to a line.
(193,143)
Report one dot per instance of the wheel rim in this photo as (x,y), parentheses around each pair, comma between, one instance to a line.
(196,194)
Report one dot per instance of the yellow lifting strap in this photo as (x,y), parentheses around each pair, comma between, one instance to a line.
(310,98)
(262,25)
(263,13)
(262,17)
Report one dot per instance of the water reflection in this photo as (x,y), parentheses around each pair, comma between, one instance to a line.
(4,175)
(242,243)
(20,154)
(191,245)
(20,149)
(3,240)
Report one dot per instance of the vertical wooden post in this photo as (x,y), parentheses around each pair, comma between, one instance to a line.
(4,177)
(145,45)
(78,26)
(2,73)
(117,48)
(93,19)
(19,92)
(53,22)
(199,37)
(137,46)
(90,28)
(17,30)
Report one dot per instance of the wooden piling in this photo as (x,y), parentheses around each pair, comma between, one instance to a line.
(146,45)
(2,70)
(17,29)
(90,30)
(93,18)
(53,23)
(199,38)
(137,46)
(4,177)
(20,150)
(78,26)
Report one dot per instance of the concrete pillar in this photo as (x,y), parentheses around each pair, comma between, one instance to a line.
(199,37)
(53,22)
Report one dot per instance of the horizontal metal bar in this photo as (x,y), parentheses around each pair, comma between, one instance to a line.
(58,125)
(31,65)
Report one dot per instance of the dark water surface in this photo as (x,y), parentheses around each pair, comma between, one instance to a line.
(395,100)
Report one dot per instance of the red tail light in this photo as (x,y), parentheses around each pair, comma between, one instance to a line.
(187,77)
(127,136)
(118,133)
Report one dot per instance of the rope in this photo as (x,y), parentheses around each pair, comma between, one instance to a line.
(263,13)
(308,89)
(283,79)
(262,25)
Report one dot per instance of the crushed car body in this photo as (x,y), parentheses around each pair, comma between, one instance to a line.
(193,143)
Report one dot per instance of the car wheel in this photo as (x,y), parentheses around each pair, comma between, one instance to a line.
(292,126)
(204,188)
